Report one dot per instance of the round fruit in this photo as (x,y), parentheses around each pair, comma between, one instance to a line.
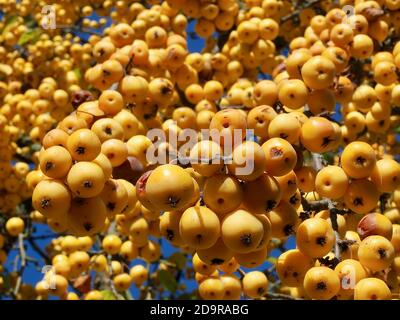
(222,194)
(372,289)
(199,227)
(376,253)
(315,237)
(292,266)
(55,162)
(358,160)
(241,231)
(331,182)
(169,187)
(262,195)
(321,283)
(255,284)
(87,216)
(280,156)
(83,145)
(86,179)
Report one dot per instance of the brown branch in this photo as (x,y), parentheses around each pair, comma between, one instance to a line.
(22,255)
(280,296)
(296,13)
(35,247)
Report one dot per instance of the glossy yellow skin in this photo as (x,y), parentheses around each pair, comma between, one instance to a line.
(321,283)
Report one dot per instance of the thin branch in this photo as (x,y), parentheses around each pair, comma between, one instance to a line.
(22,255)
(36,247)
(280,296)
(297,12)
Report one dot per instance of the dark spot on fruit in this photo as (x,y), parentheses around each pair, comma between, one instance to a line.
(88,184)
(295,274)
(246,240)
(173,202)
(108,131)
(45,203)
(166,90)
(220,201)
(199,237)
(111,206)
(49,166)
(382,253)
(283,135)
(321,241)
(321,285)
(360,161)
(87,226)
(358,201)
(270,205)
(275,152)
(80,150)
(170,234)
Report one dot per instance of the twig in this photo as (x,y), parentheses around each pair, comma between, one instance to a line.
(39,250)
(109,280)
(22,254)
(296,13)
(280,296)
(241,272)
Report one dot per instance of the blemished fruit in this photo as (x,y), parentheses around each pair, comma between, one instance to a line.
(375,224)
(292,266)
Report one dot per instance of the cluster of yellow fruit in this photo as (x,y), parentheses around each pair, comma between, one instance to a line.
(71,262)
(96,182)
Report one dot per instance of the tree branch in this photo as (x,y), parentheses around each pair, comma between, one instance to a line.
(296,13)
(39,250)
(22,255)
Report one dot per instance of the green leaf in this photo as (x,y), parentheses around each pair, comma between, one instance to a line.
(329,157)
(31,36)
(188,296)
(167,280)
(78,73)
(9,23)
(108,295)
(179,259)
(397,130)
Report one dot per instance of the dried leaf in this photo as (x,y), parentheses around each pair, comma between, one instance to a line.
(82,283)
